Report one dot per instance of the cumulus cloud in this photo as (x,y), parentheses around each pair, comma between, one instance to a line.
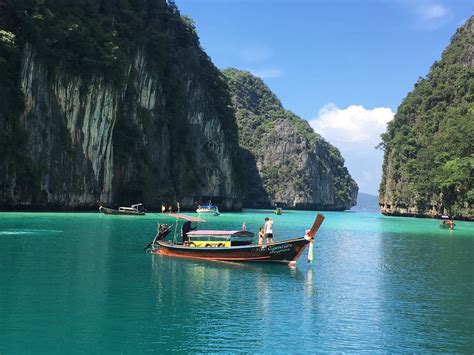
(427,15)
(432,16)
(354,124)
(355,131)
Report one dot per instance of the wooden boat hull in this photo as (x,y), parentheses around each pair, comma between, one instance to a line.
(286,251)
(107,210)
(208,212)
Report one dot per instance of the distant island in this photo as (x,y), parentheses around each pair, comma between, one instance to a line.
(428,167)
(367,203)
(287,163)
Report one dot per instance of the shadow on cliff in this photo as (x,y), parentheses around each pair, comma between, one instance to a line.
(255,194)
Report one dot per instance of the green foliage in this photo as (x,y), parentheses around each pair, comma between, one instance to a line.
(258,109)
(251,93)
(13,143)
(101,39)
(431,140)
(455,180)
(7,38)
(259,116)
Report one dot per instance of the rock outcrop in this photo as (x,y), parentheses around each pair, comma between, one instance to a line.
(286,162)
(115,103)
(428,165)
(148,122)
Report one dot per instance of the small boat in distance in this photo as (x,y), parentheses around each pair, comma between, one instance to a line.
(134,210)
(223,245)
(208,209)
(447,223)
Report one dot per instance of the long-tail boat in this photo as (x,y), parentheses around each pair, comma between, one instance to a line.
(229,245)
(446,222)
(134,210)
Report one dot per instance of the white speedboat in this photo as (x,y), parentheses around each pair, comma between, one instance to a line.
(209,209)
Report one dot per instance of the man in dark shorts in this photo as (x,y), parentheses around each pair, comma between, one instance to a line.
(268,230)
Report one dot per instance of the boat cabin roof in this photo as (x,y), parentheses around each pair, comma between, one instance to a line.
(185,217)
(127,209)
(217,233)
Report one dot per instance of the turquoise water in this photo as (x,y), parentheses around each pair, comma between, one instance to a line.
(80,282)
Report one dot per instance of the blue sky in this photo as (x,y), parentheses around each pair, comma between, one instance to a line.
(343,65)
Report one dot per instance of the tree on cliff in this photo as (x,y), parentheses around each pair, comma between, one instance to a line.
(287,162)
(91,94)
(428,165)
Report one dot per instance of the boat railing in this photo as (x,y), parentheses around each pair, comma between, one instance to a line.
(128,209)
(218,239)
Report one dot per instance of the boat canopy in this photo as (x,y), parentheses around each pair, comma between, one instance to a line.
(217,233)
(207,206)
(185,217)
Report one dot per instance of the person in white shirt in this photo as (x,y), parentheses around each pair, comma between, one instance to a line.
(268,230)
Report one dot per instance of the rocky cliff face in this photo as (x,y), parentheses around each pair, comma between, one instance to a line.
(285,161)
(149,122)
(428,165)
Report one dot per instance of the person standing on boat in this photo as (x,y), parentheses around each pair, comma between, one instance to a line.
(268,230)
(450,223)
(185,229)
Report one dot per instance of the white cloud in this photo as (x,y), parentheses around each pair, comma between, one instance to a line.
(355,131)
(432,12)
(430,15)
(355,124)
(427,15)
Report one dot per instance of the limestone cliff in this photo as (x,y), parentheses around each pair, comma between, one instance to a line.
(286,162)
(428,165)
(117,106)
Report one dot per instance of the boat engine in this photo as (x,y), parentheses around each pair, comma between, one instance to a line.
(162,230)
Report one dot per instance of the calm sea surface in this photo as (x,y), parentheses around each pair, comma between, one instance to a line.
(81,283)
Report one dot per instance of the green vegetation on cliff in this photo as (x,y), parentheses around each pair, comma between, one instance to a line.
(101,38)
(294,165)
(115,101)
(429,147)
(93,49)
